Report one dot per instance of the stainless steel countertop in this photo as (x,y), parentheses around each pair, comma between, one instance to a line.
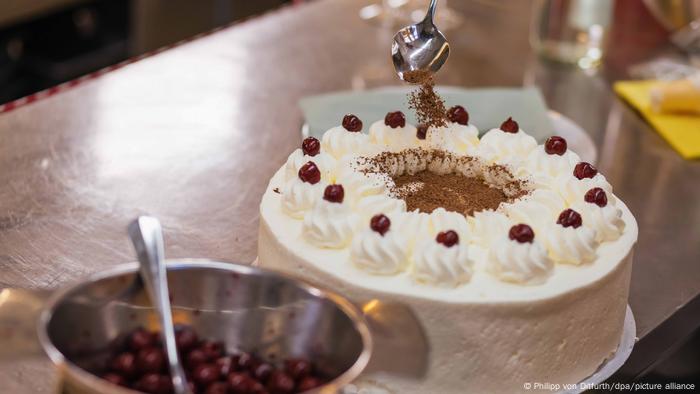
(193,134)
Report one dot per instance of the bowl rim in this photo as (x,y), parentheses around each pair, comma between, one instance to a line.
(347,307)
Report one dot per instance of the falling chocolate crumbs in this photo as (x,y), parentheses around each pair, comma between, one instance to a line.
(429,106)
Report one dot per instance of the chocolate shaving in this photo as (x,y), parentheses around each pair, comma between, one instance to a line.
(465,192)
(426,192)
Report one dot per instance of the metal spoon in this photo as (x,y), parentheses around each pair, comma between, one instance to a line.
(420,47)
(147,237)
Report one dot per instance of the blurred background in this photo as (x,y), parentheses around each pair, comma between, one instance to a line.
(46,42)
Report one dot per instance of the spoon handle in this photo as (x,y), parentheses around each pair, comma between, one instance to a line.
(146,235)
(431,11)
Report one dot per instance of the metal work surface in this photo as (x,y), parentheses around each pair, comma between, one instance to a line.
(193,134)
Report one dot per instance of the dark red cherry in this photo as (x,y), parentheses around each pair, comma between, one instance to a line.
(309,383)
(154,383)
(205,374)
(140,339)
(310,146)
(352,123)
(212,349)
(124,364)
(185,338)
(115,378)
(458,114)
(596,196)
(309,173)
(297,368)
(280,383)
(245,361)
(380,223)
(447,238)
(225,365)
(510,126)
(395,119)
(150,360)
(240,382)
(262,371)
(584,170)
(555,145)
(334,193)
(421,131)
(570,218)
(521,233)
(217,388)
(196,357)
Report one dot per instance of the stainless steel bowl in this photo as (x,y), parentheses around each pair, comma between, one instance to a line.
(247,308)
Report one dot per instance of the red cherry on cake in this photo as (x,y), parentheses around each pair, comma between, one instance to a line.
(309,173)
(311,146)
(395,119)
(555,145)
(421,131)
(584,170)
(510,126)
(521,233)
(334,193)
(447,238)
(458,114)
(352,123)
(380,223)
(570,218)
(596,196)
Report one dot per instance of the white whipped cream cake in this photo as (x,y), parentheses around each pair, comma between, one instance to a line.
(515,256)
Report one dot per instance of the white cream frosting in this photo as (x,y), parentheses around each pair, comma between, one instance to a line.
(332,226)
(439,265)
(506,148)
(570,245)
(523,263)
(573,189)
(453,138)
(325,163)
(298,197)
(392,139)
(538,209)
(380,254)
(329,225)
(605,221)
(339,142)
(488,226)
(541,164)
(369,206)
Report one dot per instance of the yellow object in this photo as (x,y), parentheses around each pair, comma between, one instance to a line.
(681,97)
(681,131)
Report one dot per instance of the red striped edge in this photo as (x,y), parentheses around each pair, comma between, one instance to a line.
(12,105)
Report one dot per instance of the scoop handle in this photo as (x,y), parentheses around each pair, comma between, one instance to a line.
(147,236)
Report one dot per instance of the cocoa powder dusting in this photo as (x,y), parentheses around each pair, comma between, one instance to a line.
(426,192)
(428,105)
